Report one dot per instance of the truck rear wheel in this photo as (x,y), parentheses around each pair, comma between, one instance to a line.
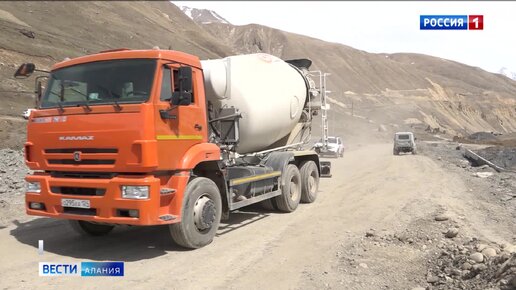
(291,190)
(202,209)
(268,204)
(89,228)
(309,181)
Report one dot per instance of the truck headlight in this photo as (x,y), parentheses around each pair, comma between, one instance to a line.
(135,192)
(34,186)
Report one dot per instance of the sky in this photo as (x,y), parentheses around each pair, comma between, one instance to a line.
(387,26)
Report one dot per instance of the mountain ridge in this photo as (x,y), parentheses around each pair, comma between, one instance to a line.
(400,91)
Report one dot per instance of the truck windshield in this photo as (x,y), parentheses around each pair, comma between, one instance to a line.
(99,83)
(403,137)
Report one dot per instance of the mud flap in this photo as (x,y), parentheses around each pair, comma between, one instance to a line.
(325,168)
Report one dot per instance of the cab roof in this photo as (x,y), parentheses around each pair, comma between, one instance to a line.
(171,55)
(404,133)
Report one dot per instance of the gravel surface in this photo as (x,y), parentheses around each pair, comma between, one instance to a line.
(485,181)
(474,262)
(12,185)
(460,236)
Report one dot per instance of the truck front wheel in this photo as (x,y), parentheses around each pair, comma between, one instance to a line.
(309,181)
(89,228)
(291,189)
(202,209)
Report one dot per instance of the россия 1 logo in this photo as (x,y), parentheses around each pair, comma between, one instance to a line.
(451,22)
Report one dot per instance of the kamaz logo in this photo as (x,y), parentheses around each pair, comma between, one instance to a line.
(76,138)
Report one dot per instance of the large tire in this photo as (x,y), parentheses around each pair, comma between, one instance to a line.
(89,228)
(290,191)
(395,152)
(309,181)
(201,212)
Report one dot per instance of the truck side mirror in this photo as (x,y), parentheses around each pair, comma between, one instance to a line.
(184,96)
(181,98)
(185,79)
(25,70)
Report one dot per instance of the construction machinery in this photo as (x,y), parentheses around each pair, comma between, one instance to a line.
(154,137)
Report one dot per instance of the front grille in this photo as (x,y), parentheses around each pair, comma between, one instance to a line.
(78,190)
(82,150)
(80,211)
(81,156)
(94,175)
(82,162)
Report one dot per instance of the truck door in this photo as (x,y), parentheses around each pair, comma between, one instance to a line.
(185,125)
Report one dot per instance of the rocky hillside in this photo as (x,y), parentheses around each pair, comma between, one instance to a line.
(400,89)
(47,32)
(369,91)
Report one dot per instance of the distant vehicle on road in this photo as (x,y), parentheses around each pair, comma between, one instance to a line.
(335,147)
(404,142)
(26,113)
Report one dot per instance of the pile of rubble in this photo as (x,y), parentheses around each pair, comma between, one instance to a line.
(502,156)
(12,172)
(454,260)
(473,265)
(12,185)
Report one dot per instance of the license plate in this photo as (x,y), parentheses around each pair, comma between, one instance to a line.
(78,203)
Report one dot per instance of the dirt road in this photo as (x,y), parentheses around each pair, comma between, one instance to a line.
(311,248)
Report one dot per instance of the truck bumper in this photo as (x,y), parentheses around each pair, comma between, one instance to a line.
(108,206)
(404,149)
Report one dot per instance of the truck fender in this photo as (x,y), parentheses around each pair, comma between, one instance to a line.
(200,153)
(213,171)
(278,160)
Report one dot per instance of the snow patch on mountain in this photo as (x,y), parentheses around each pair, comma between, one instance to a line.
(203,16)
(508,73)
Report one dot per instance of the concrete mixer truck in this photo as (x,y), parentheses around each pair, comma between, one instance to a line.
(155,137)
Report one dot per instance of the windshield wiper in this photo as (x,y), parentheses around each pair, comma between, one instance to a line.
(87,105)
(112,96)
(117,105)
(59,102)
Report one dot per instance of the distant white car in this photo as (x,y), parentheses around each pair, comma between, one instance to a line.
(335,147)
(26,113)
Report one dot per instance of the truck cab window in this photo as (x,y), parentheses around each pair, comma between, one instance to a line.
(166,85)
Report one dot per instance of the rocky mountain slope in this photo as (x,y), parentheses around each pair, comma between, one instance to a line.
(369,91)
(46,32)
(401,89)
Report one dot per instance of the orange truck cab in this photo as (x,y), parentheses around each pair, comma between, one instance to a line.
(121,137)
